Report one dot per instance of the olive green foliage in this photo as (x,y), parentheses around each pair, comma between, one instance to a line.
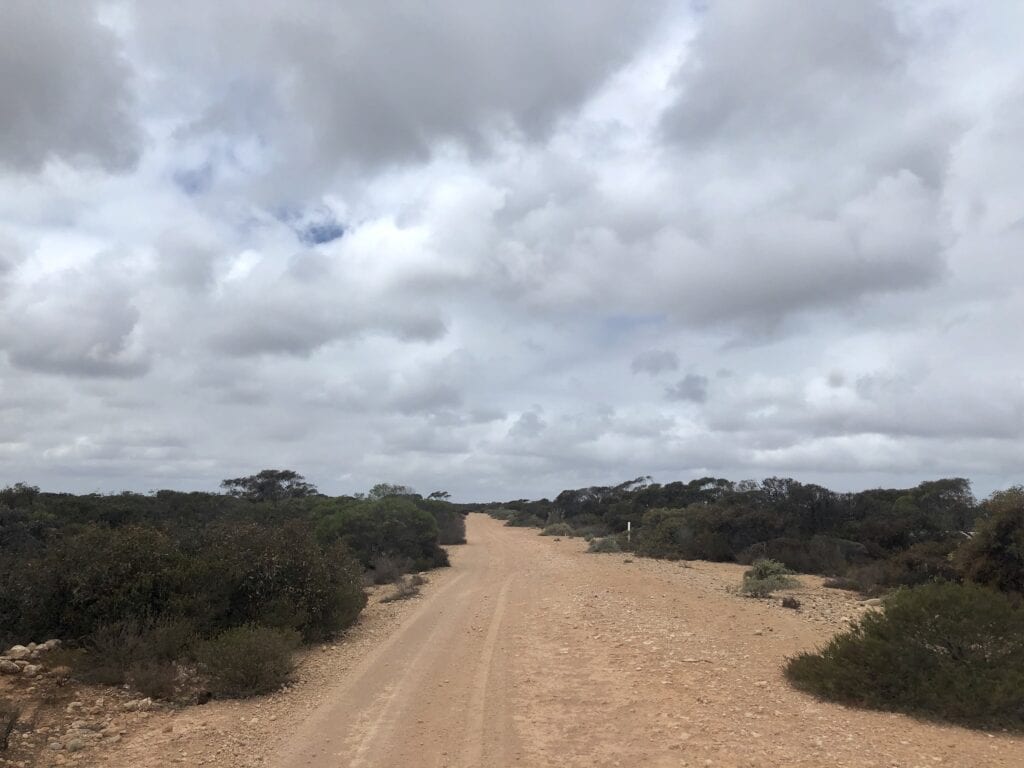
(524,519)
(451,523)
(136,583)
(995,554)
(248,660)
(393,526)
(807,527)
(558,529)
(91,578)
(921,563)
(607,544)
(948,651)
(765,577)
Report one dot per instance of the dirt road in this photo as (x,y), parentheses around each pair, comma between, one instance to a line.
(529,652)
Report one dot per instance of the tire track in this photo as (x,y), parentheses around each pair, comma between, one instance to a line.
(472,753)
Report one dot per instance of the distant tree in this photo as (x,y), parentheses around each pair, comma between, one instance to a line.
(384,490)
(19,495)
(440,495)
(269,485)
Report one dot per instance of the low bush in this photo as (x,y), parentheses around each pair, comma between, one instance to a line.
(558,529)
(765,577)
(605,545)
(791,602)
(387,569)
(248,660)
(523,519)
(392,526)
(110,651)
(406,588)
(156,679)
(451,524)
(817,554)
(921,563)
(949,651)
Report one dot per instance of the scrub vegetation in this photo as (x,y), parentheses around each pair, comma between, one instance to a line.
(947,641)
(177,594)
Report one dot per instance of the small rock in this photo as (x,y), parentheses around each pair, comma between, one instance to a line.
(31,670)
(9,668)
(75,745)
(758,632)
(18,652)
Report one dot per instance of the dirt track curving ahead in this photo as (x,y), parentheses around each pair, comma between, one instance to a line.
(529,652)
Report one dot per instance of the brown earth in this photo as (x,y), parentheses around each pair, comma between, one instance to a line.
(530,652)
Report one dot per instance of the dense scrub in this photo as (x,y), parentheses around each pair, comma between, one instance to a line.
(136,584)
(872,540)
(948,651)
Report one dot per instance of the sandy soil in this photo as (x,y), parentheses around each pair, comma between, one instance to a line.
(530,652)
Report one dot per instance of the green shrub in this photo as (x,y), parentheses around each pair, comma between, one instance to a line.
(817,554)
(392,526)
(765,577)
(524,519)
(279,577)
(451,523)
(168,639)
(248,660)
(558,529)
(406,588)
(388,569)
(949,651)
(156,679)
(607,544)
(995,554)
(922,563)
(110,651)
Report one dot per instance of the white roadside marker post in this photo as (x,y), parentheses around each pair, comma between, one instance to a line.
(629,531)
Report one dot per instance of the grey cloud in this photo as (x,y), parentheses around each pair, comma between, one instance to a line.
(525,218)
(75,324)
(427,397)
(383,83)
(691,388)
(761,68)
(529,425)
(283,318)
(65,88)
(186,261)
(655,361)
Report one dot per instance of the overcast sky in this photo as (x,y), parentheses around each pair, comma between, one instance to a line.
(506,248)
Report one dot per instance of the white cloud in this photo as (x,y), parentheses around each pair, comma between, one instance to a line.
(443,251)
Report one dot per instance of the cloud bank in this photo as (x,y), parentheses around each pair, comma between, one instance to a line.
(509,249)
